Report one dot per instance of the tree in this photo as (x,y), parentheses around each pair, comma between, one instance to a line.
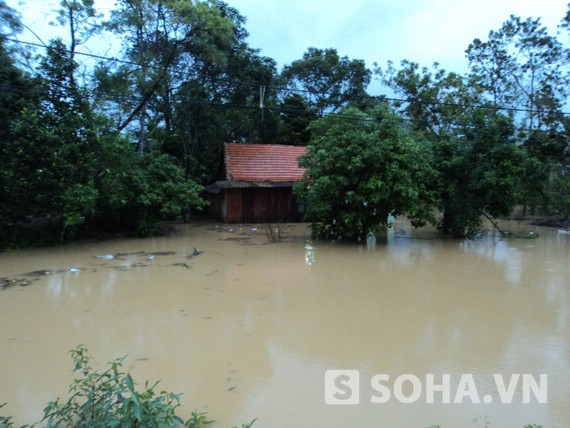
(81,18)
(360,171)
(49,161)
(17,90)
(196,85)
(327,81)
(9,20)
(15,87)
(69,176)
(137,190)
(474,146)
(233,100)
(296,117)
(482,170)
(165,41)
(523,68)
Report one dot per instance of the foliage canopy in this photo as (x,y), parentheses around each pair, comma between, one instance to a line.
(360,171)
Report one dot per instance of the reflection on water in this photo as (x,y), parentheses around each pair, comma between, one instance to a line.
(309,254)
(247,329)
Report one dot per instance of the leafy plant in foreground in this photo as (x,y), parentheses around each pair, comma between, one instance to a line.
(5,421)
(110,399)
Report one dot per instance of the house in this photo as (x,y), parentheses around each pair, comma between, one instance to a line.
(258,184)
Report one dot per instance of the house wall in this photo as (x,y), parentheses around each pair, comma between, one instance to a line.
(256,205)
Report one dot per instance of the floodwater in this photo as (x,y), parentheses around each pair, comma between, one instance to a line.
(247,329)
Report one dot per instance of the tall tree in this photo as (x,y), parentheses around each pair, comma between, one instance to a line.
(230,100)
(50,161)
(523,68)
(81,19)
(15,87)
(17,90)
(164,40)
(296,117)
(327,80)
(474,147)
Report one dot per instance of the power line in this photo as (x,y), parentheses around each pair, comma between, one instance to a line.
(90,55)
(282,88)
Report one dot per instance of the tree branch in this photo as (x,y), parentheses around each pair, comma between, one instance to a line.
(494,223)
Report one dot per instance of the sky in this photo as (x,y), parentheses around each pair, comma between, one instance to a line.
(422,31)
(376,31)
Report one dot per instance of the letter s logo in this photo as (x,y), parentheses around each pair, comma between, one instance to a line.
(342,387)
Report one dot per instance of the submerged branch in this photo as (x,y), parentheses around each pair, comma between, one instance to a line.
(495,225)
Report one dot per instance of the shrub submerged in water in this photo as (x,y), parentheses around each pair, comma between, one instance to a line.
(110,399)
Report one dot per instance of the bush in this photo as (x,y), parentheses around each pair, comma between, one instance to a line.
(110,399)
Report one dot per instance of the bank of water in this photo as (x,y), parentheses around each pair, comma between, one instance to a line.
(245,328)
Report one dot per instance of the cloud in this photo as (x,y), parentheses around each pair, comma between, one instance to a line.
(423,31)
(380,30)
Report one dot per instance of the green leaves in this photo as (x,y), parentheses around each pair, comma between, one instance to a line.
(139,190)
(358,172)
(473,145)
(331,80)
(110,398)
(80,201)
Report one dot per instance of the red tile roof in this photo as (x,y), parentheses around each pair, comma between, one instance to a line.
(263,162)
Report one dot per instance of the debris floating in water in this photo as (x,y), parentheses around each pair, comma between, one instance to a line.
(24,280)
(184,265)
(162,253)
(195,253)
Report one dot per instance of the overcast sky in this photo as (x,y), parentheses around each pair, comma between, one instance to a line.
(423,31)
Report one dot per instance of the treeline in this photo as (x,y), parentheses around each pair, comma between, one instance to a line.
(93,144)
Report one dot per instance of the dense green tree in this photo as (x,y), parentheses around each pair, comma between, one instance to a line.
(326,80)
(49,163)
(139,189)
(296,118)
(474,146)
(360,171)
(233,100)
(65,173)
(165,41)
(16,91)
(482,170)
(15,87)
(196,85)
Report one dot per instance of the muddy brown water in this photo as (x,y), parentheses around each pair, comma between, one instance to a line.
(247,329)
